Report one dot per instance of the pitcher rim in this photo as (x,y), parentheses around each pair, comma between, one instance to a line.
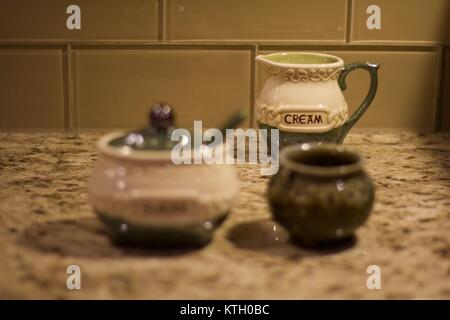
(329,65)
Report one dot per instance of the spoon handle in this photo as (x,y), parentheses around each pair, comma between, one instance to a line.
(235,119)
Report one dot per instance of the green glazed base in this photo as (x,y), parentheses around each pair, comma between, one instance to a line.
(332,243)
(126,233)
(316,212)
(289,138)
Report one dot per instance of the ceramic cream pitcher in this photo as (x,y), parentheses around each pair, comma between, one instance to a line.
(302,96)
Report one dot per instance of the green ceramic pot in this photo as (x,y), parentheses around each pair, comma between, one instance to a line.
(321,193)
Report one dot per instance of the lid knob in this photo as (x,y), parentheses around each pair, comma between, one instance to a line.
(161,116)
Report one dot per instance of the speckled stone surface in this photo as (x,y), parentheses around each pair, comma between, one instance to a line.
(46,224)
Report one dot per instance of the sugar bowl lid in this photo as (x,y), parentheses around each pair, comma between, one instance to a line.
(150,143)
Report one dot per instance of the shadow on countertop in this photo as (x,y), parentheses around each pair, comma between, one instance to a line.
(266,236)
(86,238)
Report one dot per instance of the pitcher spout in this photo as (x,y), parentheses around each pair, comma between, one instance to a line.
(262,59)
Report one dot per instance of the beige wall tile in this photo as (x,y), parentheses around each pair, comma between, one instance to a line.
(31,88)
(404,20)
(116,87)
(406,97)
(100,19)
(445,114)
(257,20)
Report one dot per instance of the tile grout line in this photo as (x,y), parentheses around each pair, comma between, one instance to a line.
(161,20)
(376,46)
(73,114)
(349,21)
(439,92)
(66,87)
(253,52)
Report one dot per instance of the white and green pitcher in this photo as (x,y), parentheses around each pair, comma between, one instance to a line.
(302,96)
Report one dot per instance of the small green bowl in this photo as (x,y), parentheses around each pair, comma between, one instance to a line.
(321,193)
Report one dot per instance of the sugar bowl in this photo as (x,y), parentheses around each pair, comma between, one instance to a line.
(145,199)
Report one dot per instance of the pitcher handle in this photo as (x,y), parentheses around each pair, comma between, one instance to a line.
(373,72)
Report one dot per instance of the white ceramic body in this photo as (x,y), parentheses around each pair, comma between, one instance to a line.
(157,192)
(302,90)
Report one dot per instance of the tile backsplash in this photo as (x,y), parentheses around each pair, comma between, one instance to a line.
(114,86)
(256,20)
(31,87)
(199,56)
(403,21)
(100,19)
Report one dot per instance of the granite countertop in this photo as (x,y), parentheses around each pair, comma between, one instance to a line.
(46,224)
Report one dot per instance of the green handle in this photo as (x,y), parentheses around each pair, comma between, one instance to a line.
(373,72)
